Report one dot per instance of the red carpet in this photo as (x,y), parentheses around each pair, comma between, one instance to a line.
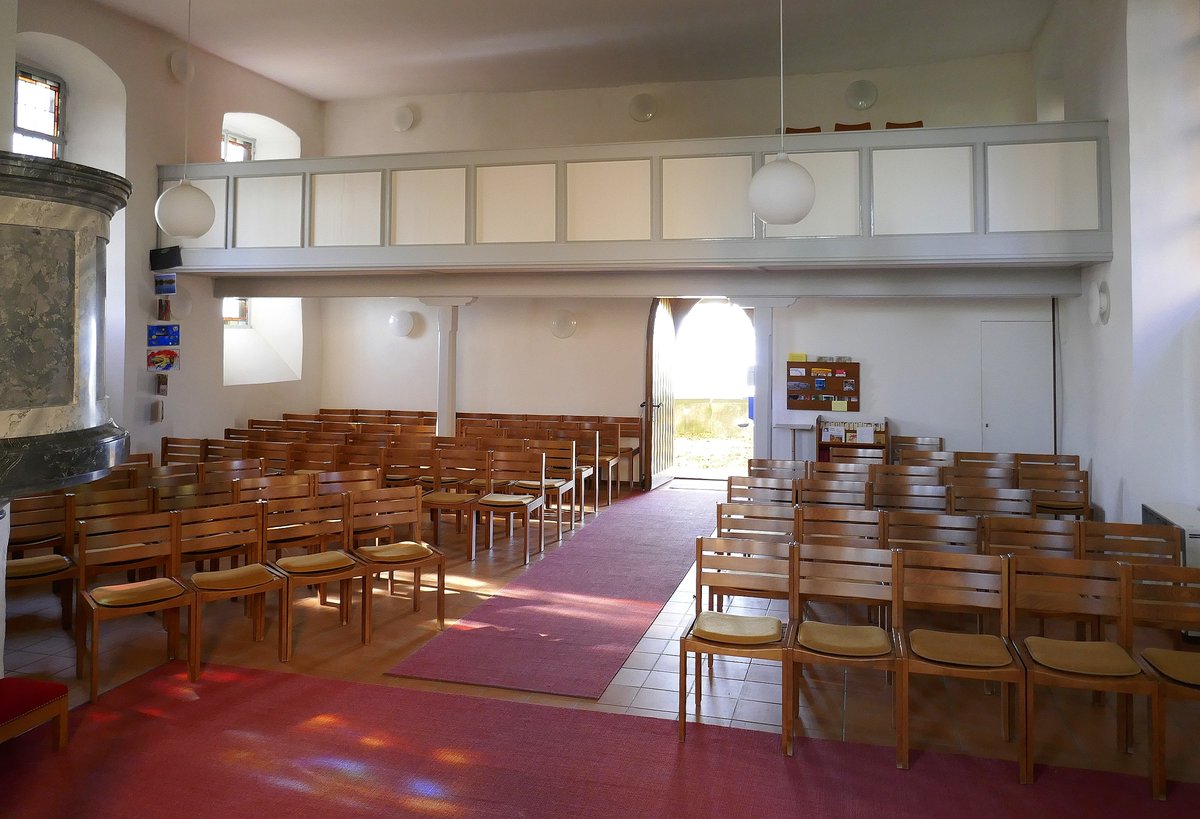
(261,743)
(568,624)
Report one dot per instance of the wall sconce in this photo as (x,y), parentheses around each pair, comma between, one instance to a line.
(402,323)
(1099,302)
(404,118)
(861,94)
(643,107)
(563,324)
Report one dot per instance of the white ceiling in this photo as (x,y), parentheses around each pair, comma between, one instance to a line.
(340,49)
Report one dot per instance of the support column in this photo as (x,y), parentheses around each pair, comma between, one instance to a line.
(5,527)
(447,408)
(764,371)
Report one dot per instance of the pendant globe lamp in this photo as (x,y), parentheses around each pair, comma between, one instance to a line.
(185,211)
(782,192)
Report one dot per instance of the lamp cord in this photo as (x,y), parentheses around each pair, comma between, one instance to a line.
(187,88)
(781,126)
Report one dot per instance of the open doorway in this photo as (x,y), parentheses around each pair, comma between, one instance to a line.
(714,385)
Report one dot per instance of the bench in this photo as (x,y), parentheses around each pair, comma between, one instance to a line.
(26,703)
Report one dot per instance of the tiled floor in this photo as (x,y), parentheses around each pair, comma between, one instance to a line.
(952,716)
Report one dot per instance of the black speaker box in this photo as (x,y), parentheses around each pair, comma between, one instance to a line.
(164,258)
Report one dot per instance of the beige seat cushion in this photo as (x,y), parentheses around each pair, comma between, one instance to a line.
(953,648)
(308,471)
(396,552)
(243,577)
(737,629)
(447,498)
(315,563)
(501,499)
(1097,658)
(140,593)
(1180,666)
(37,566)
(551,483)
(847,641)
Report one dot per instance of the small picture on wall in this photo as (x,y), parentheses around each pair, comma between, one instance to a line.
(848,385)
(162,335)
(164,309)
(162,361)
(164,284)
(160,384)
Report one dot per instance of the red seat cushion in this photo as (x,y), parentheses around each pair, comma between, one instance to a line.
(20,695)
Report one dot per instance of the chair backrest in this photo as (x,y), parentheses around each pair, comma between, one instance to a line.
(138,459)
(776,468)
(833,526)
(229,470)
(405,466)
(37,520)
(209,529)
(900,494)
(337,425)
(308,457)
(999,477)
(951,581)
(270,487)
(368,440)
(497,443)
(395,506)
(856,455)
(244,434)
(971,499)
(852,126)
(348,480)
(359,456)
(925,457)
(104,503)
(1059,485)
(1018,535)
(413,440)
(831,471)
(528,467)
(1166,597)
(274,455)
(851,494)
(326,437)
(301,422)
(899,444)
(264,423)
(754,489)
(314,521)
(177,473)
(284,436)
(759,521)
(560,456)
(458,465)
(928,475)
(1008,459)
(1049,586)
(760,567)
(220,449)
(148,537)
(181,451)
(1047,459)
(930,531)
(842,574)
(212,492)
(1131,542)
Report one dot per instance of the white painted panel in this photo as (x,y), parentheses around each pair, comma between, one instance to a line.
(1017,386)
(515,203)
(922,190)
(706,198)
(836,209)
(267,211)
(215,188)
(1043,186)
(346,209)
(429,207)
(608,200)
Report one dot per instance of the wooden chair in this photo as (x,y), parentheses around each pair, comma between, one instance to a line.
(1168,598)
(220,449)
(932,532)
(385,535)
(852,126)
(102,503)
(27,702)
(831,471)
(525,473)
(903,495)
(334,439)
(755,489)
(308,457)
(1084,589)
(116,544)
(231,469)
(926,475)
(587,462)
(454,470)
(855,455)
(38,525)
(1057,490)
(746,567)
(347,480)
(916,123)
(831,526)
(405,466)
(360,455)
(272,487)
(193,495)
(899,444)
(969,499)
(1135,543)
(756,521)
(1047,459)
(181,451)
(607,456)
(236,531)
(176,473)
(963,458)
(274,455)
(1036,536)
(320,526)
(244,434)
(848,494)
(996,477)
(846,576)
(777,468)
(559,478)
(961,582)
(921,457)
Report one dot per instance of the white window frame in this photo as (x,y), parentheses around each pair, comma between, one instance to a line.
(59,140)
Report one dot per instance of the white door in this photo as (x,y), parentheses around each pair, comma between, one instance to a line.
(1017,371)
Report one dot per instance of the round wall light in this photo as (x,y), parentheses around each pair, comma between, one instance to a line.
(404,118)
(402,323)
(643,107)
(1099,303)
(563,324)
(861,94)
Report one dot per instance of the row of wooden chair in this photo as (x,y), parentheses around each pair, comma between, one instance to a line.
(987,534)
(907,582)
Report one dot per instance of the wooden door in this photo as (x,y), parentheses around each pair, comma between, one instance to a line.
(658,412)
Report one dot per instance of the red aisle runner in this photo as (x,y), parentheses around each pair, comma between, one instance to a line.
(568,624)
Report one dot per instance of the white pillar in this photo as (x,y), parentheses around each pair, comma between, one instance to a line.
(447,408)
(5,525)
(764,370)
(8,64)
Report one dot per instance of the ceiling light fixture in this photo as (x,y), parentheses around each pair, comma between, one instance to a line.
(782,192)
(184,210)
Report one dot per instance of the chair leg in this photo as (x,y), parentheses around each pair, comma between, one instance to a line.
(441,594)
(682,693)
(1024,748)
(1124,719)
(901,707)
(417,589)
(66,597)
(787,727)
(285,625)
(80,638)
(1158,745)
(94,664)
(1006,712)
(60,725)
(171,621)
(367,604)
(1030,731)
(193,643)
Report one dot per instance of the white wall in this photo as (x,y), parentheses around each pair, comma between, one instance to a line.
(920,359)
(978,91)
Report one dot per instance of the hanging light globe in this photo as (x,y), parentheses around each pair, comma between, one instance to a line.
(185,211)
(782,192)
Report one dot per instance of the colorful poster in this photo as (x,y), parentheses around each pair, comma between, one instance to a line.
(162,361)
(164,284)
(162,335)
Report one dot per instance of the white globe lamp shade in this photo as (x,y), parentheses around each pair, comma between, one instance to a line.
(185,211)
(402,323)
(782,192)
(563,324)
